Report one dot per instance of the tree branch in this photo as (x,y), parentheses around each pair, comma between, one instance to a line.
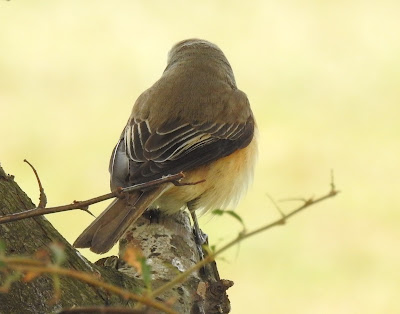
(36,267)
(242,236)
(83,205)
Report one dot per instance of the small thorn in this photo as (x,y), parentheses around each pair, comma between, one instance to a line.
(84,208)
(88,211)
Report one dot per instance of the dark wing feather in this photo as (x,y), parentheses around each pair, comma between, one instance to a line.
(151,154)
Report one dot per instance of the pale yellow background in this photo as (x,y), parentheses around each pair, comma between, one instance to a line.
(323,78)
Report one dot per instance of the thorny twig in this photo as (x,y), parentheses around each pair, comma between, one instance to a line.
(212,255)
(102,310)
(83,205)
(35,266)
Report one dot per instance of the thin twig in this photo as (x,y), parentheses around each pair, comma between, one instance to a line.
(101,309)
(276,205)
(42,195)
(27,266)
(212,255)
(84,204)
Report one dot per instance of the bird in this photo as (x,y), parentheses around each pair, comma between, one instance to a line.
(193,120)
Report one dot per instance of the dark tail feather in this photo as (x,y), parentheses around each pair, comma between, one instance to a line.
(101,235)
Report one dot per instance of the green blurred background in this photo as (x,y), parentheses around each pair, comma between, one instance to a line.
(323,78)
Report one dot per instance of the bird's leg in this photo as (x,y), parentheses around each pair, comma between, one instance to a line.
(200,239)
(199,236)
(208,272)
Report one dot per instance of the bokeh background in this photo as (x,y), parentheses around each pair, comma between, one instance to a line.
(323,78)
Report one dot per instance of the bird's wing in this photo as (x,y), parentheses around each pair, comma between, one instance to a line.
(145,154)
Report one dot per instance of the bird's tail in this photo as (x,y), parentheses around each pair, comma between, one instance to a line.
(101,235)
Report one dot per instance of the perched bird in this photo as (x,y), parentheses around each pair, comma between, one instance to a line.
(193,119)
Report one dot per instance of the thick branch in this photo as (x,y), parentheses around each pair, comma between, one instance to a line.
(26,238)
